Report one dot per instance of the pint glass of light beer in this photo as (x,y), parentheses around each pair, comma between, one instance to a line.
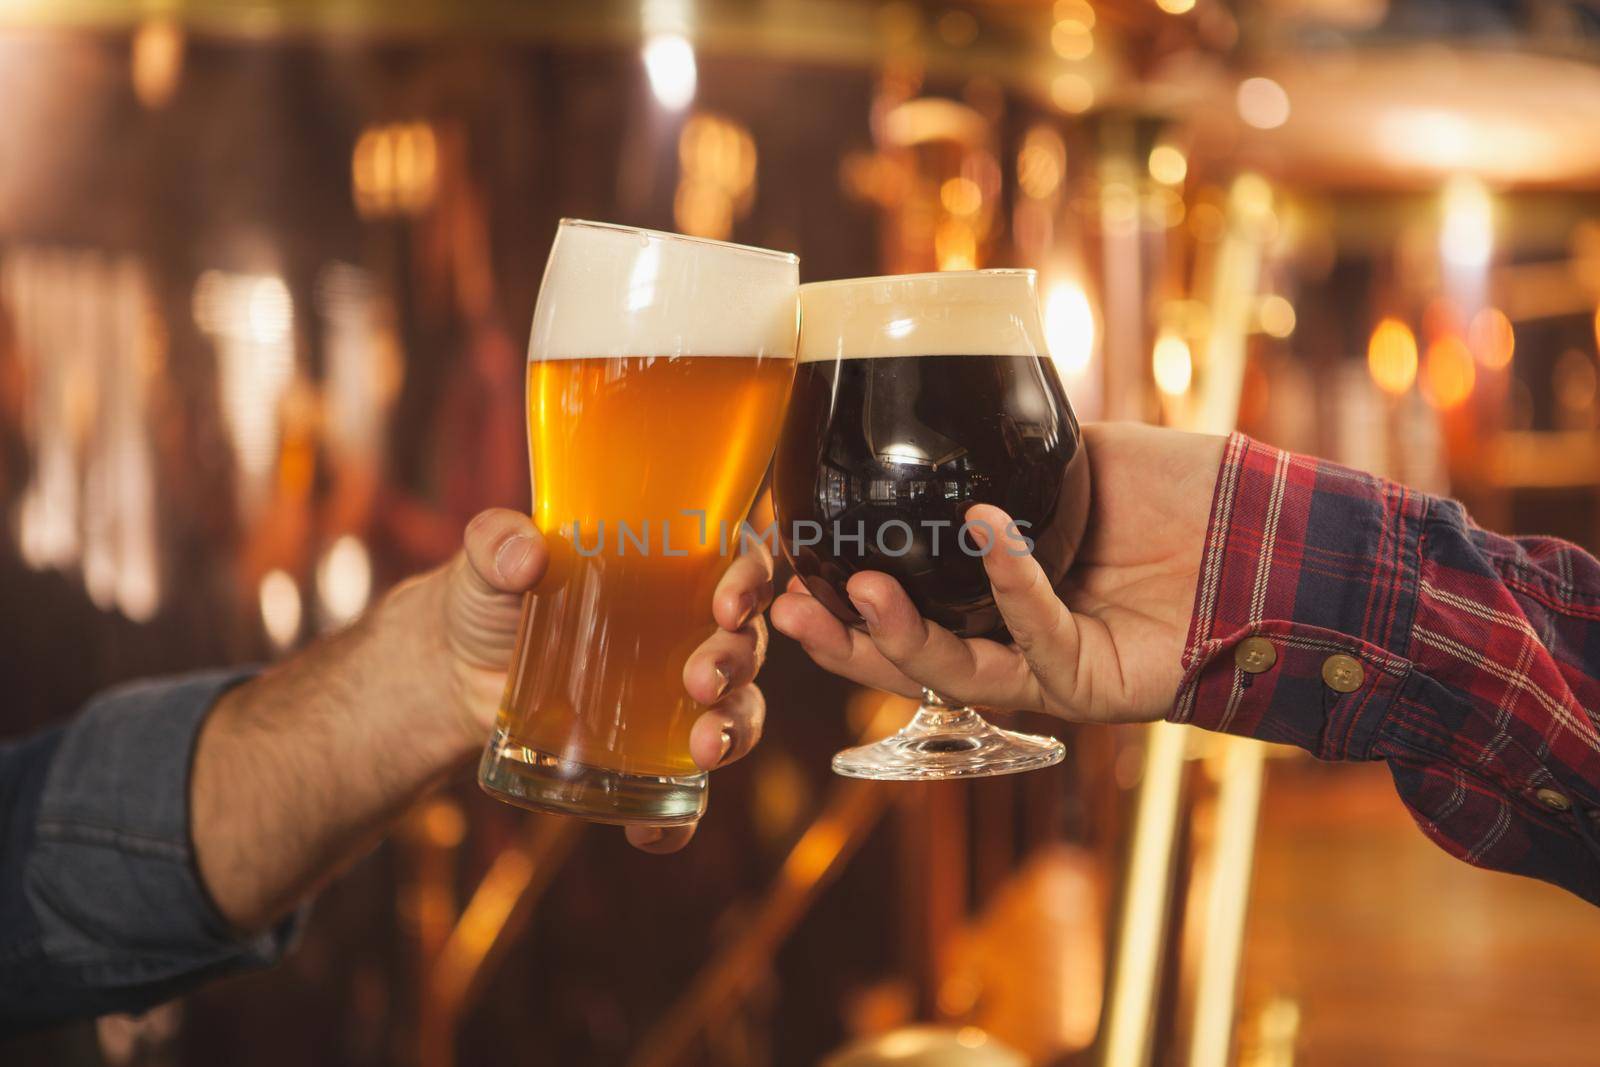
(658,370)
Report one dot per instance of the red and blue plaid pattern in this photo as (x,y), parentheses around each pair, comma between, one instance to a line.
(1480,654)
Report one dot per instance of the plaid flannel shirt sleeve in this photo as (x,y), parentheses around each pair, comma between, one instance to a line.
(1396,629)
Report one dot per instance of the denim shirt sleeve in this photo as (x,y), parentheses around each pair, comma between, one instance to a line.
(101,905)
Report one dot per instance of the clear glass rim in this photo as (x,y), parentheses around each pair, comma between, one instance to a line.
(882,279)
(664,235)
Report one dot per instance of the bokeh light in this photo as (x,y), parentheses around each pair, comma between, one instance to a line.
(1072,93)
(1467,236)
(344,580)
(1276,316)
(1392,356)
(1168,164)
(158,48)
(717,185)
(1072,39)
(394,169)
(1263,103)
(955,245)
(1069,328)
(669,63)
(280,608)
(1172,364)
(961,196)
(1251,198)
(1491,338)
(1448,373)
(1041,162)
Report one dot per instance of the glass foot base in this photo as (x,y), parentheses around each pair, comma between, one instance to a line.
(942,741)
(541,781)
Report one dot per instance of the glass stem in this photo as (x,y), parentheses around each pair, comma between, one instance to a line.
(938,715)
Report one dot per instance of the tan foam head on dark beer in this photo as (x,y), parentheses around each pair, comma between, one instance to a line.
(614,291)
(954,313)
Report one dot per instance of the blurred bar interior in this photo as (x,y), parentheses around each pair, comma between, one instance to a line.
(266,275)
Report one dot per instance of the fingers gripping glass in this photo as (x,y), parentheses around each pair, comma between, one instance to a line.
(915,398)
(657,373)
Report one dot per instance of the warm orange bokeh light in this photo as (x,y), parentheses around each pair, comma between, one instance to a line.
(395,169)
(961,196)
(1072,39)
(1491,338)
(1448,373)
(1041,163)
(955,245)
(1392,356)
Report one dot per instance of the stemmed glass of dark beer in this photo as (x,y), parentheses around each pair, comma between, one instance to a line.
(916,397)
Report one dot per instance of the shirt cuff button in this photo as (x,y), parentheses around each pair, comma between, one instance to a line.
(1342,674)
(1255,655)
(1553,800)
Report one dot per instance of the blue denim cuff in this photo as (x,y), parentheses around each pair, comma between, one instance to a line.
(112,880)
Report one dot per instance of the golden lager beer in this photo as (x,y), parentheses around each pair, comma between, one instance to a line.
(657,375)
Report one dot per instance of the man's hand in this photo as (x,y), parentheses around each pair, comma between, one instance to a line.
(301,769)
(505,556)
(1106,646)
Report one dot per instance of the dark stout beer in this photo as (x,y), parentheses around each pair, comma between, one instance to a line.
(916,397)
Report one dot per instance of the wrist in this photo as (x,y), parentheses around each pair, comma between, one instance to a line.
(407,635)
(320,753)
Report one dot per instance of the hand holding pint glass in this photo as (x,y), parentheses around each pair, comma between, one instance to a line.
(918,399)
(657,374)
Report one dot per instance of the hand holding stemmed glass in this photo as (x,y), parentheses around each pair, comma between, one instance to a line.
(1103,644)
(917,397)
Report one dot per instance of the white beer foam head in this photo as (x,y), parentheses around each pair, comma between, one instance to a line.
(617,291)
(952,313)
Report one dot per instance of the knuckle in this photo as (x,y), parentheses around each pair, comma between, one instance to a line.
(895,649)
(901,643)
(1031,639)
